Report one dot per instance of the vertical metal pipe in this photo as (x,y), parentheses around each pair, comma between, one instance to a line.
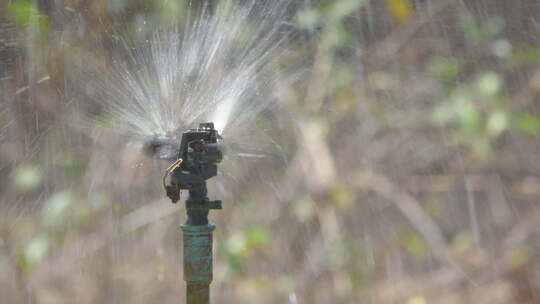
(198,262)
(197,293)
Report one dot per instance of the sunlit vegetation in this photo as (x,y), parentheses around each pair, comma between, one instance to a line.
(397,161)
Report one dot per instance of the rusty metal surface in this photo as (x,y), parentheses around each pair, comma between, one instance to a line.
(198,262)
(198,293)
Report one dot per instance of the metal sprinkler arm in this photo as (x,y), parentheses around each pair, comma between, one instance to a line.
(172,192)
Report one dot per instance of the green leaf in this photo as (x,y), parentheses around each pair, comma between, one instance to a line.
(22,12)
(56,208)
(237,245)
(414,245)
(257,237)
(493,27)
(472,29)
(224,8)
(526,123)
(501,48)
(36,250)
(343,8)
(28,177)
(341,196)
(482,148)
(338,253)
(116,6)
(497,123)
(171,12)
(285,284)
(343,77)
(446,68)
(72,168)
(309,18)
(444,114)
(519,257)
(304,209)
(482,31)
(489,84)
(526,55)
(469,118)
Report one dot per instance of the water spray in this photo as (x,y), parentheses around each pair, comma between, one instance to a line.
(220,64)
(195,162)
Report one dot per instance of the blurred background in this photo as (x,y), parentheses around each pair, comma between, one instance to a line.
(404,168)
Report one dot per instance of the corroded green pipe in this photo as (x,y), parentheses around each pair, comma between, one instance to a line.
(198,262)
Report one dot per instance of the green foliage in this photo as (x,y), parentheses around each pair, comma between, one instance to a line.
(414,245)
(477,112)
(35,251)
(477,31)
(242,244)
(526,123)
(341,196)
(487,33)
(117,6)
(24,14)
(257,237)
(462,242)
(28,177)
(171,11)
(329,14)
(519,257)
(502,48)
(304,209)
(327,234)
(334,77)
(285,284)
(224,7)
(62,216)
(338,253)
(56,209)
(526,56)
(71,167)
(488,86)
(447,69)
(309,18)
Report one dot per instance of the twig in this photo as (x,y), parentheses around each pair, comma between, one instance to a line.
(412,209)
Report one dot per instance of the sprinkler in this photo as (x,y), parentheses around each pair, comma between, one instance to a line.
(195,161)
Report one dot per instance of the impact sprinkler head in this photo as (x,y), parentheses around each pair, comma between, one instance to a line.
(195,162)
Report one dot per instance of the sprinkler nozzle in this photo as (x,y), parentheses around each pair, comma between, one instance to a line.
(196,161)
